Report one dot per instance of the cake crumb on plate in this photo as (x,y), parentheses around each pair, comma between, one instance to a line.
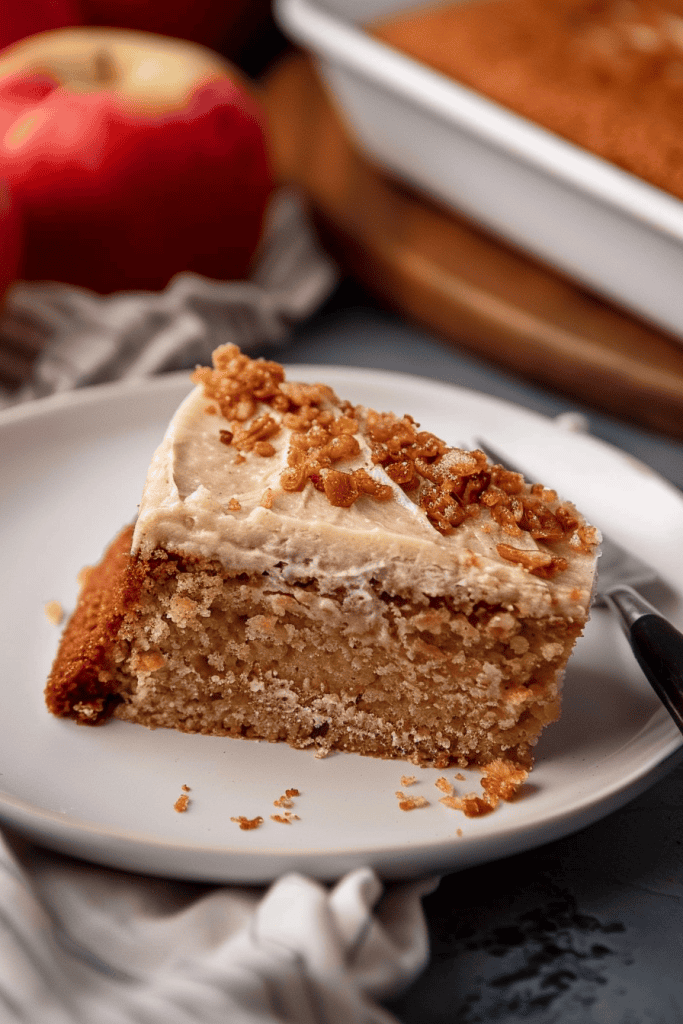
(54,612)
(247,824)
(182,803)
(410,803)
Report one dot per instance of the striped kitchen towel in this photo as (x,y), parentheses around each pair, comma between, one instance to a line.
(80,944)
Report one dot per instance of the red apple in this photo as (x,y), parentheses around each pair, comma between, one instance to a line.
(21,18)
(10,239)
(132,156)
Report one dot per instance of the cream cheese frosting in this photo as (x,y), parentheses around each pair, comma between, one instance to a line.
(205,497)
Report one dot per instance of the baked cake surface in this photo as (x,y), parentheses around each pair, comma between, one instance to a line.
(306,570)
(605,74)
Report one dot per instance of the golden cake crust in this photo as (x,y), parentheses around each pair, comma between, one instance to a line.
(80,683)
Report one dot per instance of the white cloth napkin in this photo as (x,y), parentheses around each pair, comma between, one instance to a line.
(54,337)
(81,944)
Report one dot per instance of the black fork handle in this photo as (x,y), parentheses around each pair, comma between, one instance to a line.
(656,643)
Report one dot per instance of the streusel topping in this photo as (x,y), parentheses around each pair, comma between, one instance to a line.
(449,484)
(285,478)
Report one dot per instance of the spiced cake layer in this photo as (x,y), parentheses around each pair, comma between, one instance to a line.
(306,570)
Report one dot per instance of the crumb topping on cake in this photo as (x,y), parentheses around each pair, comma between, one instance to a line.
(449,484)
(285,478)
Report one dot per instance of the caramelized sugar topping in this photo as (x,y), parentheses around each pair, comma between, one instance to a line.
(449,484)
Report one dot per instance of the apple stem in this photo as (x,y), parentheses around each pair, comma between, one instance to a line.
(104,67)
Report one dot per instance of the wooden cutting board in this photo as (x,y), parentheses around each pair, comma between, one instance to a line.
(444,273)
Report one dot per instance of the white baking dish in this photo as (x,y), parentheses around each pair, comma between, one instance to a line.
(600,225)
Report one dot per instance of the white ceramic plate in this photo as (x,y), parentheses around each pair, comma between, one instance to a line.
(71,474)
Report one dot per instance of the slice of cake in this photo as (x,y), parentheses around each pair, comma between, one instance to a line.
(306,570)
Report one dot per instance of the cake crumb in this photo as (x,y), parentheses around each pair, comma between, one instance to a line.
(285,819)
(538,563)
(267,498)
(472,806)
(408,780)
(286,799)
(503,779)
(410,803)
(234,505)
(459,832)
(246,824)
(83,575)
(54,612)
(444,785)
(182,803)
(460,777)
(185,789)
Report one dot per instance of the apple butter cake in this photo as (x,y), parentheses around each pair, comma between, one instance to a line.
(306,570)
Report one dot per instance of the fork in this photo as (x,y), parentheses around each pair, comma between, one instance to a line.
(656,643)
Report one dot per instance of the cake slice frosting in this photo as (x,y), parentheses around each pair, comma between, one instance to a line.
(307,570)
